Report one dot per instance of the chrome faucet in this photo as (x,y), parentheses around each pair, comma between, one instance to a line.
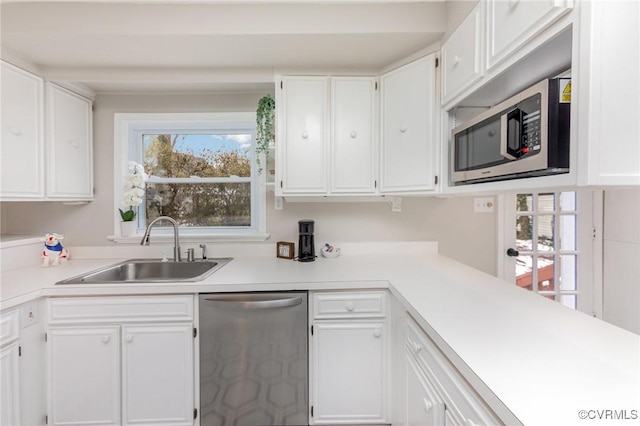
(176,239)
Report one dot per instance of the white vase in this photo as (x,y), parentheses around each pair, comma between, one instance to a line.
(128,228)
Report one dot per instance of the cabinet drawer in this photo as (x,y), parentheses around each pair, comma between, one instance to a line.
(8,327)
(120,309)
(464,404)
(369,304)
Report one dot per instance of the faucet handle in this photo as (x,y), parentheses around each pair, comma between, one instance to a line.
(204,251)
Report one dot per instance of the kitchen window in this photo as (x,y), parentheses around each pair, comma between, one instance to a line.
(201,170)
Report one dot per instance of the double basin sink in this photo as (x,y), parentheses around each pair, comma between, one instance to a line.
(150,271)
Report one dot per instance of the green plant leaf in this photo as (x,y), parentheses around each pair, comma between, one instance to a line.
(127,216)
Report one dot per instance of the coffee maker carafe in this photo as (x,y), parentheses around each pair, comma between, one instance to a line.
(306,248)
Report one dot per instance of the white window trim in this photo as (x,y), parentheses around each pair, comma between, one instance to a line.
(589,222)
(126,123)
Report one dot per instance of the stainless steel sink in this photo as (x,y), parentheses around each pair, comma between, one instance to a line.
(150,271)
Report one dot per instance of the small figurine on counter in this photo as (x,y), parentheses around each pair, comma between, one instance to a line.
(53,252)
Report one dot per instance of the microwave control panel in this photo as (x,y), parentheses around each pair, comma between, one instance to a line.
(531,125)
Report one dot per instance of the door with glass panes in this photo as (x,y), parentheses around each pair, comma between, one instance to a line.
(548,246)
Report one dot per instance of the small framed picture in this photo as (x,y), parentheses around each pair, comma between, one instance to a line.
(285,250)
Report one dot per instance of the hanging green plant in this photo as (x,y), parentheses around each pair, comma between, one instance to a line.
(265,130)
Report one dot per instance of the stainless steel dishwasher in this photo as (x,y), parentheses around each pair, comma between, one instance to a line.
(253,359)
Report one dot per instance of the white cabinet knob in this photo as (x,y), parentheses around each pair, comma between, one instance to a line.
(353,134)
(428,405)
(417,347)
(15,131)
(129,338)
(105,339)
(456,60)
(377,333)
(305,135)
(403,129)
(73,144)
(350,306)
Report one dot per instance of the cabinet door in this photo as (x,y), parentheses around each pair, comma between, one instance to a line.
(510,24)
(157,374)
(349,372)
(69,145)
(408,128)
(424,408)
(353,144)
(462,55)
(84,376)
(303,160)
(9,386)
(22,146)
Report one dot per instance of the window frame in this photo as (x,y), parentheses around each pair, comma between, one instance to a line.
(588,255)
(128,145)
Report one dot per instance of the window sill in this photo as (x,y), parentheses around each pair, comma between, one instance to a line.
(192,238)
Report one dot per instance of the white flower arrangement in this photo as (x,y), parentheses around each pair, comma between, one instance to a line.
(134,184)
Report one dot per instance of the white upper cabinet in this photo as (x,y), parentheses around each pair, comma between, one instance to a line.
(69,145)
(327,138)
(303,148)
(22,145)
(408,155)
(353,141)
(512,23)
(46,148)
(609,88)
(462,55)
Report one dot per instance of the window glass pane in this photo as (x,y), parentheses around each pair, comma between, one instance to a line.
(546,202)
(524,233)
(213,204)
(568,201)
(524,203)
(201,155)
(567,273)
(545,273)
(567,231)
(569,300)
(524,271)
(545,232)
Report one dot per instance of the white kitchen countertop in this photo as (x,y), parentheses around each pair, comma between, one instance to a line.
(543,361)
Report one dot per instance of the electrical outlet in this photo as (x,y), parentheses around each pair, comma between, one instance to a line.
(483,205)
(278,203)
(396,204)
(29,315)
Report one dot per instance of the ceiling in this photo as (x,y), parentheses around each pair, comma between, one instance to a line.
(160,46)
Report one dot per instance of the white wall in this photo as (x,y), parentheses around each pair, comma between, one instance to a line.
(461,234)
(621,263)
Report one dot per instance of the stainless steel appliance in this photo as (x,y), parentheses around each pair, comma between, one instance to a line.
(526,135)
(253,359)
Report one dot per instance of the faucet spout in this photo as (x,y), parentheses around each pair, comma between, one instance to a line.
(176,239)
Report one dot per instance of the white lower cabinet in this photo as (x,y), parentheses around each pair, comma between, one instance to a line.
(424,408)
(349,359)
(437,393)
(9,369)
(84,372)
(121,361)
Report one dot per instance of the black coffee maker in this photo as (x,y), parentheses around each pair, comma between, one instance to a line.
(306,249)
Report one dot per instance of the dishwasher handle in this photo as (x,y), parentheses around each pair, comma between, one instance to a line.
(252,302)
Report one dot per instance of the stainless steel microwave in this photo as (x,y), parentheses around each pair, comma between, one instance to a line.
(527,135)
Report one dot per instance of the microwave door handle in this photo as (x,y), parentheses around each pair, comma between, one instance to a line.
(505,150)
